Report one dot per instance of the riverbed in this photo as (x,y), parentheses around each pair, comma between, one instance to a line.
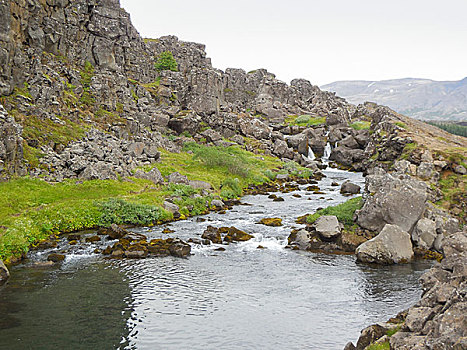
(253,295)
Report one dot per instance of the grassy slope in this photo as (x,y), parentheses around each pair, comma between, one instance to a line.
(31,209)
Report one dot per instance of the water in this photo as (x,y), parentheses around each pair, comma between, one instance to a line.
(241,298)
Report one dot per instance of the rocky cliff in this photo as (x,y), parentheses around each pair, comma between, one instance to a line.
(69,67)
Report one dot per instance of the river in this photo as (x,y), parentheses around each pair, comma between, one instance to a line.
(240,298)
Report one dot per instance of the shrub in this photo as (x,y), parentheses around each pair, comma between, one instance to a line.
(166,61)
(119,211)
(231,188)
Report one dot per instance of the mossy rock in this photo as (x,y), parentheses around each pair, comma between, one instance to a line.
(93,239)
(236,235)
(275,222)
(56,257)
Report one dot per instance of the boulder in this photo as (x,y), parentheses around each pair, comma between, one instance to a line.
(4,273)
(459,169)
(349,188)
(200,185)
(153,175)
(217,203)
(393,200)
(212,234)
(327,226)
(171,207)
(424,233)
(349,142)
(271,222)
(391,246)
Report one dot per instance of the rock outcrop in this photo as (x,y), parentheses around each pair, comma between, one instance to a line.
(438,320)
(4,273)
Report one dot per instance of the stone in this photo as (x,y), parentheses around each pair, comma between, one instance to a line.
(392,200)
(56,257)
(200,185)
(271,222)
(300,239)
(217,203)
(371,334)
(171,207)
(327,227)
(177,178)
(116,232)
(417,317)
(179,249)
(349,188)
(4,273)
(153,175)
(459,169)
(211,233)
(234,234)
(424,233)
(391,246)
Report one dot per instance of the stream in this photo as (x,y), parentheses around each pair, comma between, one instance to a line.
(240,298)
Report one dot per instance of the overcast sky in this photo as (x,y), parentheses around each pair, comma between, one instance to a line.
(322,41)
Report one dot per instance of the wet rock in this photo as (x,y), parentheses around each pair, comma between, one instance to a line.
(349,188)
(271,222)
(47,244)
(136,251)
(134,236)
(236,235)
(4,273)
(116,232)
(179,249)
(73,237)
(299,239)
(327,227)
(56,257)
(278,199)
(93,239)
(212,233)
(391,246)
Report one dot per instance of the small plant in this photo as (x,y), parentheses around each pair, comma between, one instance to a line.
(87,98)
(231,188)
(119,211)
(344,211)
(166,61)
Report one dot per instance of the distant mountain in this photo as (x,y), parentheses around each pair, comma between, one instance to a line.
(419,98)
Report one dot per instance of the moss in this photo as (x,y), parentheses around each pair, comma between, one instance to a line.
(401,125)
(379,346)
(408,150)
(304,120)
(87,98)
(360,125)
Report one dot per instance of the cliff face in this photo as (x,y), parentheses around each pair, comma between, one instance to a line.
(68,66)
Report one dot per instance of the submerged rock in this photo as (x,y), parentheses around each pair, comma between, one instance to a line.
(275,222)
(391,246)
(4,273)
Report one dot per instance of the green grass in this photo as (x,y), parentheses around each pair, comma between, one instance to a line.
(32,209)
(401,124)
(408,149)
(304,120)
(344,211)
(379,346)
(360,125)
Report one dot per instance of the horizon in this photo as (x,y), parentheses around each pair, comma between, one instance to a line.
(320,42)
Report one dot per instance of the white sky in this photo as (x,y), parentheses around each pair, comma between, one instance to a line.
(319,40)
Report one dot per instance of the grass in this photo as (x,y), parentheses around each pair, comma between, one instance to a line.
(379,346)
(408,149)
(32,210)
(360,125)
(304,120)
(401,124)
(344,211)
(454,189)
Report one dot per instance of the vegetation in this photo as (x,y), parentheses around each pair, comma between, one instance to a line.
(87,99)
(451,127)
(408,149)
(360,125)
(401,125)
(379,346)
(166,61)
(305,120)
(32,210)
(344,211)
